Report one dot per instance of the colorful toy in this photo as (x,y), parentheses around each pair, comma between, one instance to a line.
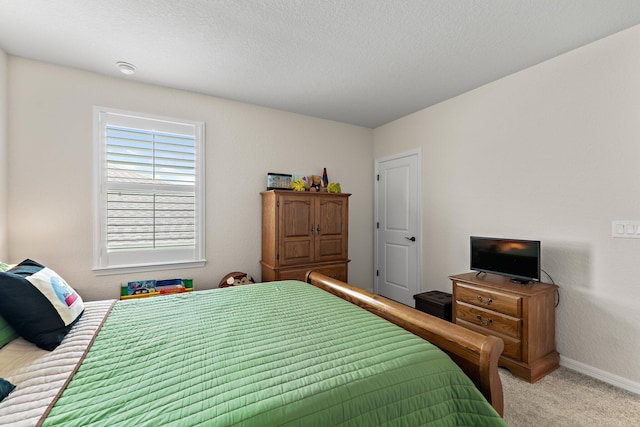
(334,187)
(298,185)
(141,287)
(315,183)
(237,278)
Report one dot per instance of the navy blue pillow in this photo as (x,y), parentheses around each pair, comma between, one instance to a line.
(5,388)
(38,303)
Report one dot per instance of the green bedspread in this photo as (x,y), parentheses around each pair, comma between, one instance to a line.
(281,353)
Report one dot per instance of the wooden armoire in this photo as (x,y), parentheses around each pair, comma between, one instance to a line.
(304,231)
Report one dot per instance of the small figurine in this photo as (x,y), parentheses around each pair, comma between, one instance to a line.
(315,183)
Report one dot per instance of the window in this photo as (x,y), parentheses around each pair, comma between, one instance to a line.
(149,192)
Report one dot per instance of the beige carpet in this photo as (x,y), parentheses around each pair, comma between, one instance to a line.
(567,398)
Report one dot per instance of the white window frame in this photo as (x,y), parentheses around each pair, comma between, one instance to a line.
(138,260)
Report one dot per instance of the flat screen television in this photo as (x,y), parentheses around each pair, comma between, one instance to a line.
(517,259)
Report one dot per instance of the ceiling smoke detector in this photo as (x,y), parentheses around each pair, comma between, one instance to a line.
(126,68)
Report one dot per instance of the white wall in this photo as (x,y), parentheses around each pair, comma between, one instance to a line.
(50,172)
(3,156)
(549,153)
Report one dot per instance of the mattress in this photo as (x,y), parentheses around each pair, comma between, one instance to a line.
(280,353)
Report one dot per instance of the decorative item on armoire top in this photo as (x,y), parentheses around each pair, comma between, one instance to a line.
(325,179)
(278,181)
(298,185)
(315,183)
(334,187)
(299,182)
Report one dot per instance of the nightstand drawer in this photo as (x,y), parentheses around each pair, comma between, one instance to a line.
(489,299)
(489,320)
(512,346)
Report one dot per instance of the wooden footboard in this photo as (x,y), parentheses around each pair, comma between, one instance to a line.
(475,353)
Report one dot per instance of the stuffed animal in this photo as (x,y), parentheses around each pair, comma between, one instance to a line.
(298,185)
(334,187)
(315,183)
(236,278)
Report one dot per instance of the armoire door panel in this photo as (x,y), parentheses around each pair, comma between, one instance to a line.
(296,218)
(296,252)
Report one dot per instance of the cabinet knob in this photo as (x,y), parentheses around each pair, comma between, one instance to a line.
(482,300)
(484,322)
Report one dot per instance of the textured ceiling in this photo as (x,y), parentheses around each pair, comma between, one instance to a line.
(365,62)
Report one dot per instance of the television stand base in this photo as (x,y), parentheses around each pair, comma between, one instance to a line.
(534,371)
(522,316)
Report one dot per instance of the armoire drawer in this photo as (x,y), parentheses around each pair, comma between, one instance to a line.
(335,271)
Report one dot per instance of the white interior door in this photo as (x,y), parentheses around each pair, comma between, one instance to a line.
(398,236)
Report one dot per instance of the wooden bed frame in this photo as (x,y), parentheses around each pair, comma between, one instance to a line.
(475,353)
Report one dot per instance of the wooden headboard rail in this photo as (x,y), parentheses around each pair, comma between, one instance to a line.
(475,353)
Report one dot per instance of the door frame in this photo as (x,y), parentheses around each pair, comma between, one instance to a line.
(415,152)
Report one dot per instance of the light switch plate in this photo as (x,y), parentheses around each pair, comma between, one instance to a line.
(625,229)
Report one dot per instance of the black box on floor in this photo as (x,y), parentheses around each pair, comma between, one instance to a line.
(435,303)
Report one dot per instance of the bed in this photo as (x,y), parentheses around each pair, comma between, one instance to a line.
(279,353)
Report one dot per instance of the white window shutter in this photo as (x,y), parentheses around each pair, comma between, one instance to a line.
(151,194)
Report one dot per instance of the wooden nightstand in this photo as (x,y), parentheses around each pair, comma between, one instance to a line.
(522,315)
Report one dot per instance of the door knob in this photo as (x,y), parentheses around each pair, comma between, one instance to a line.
(412,238)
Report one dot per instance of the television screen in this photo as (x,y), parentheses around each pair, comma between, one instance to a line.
(517,259)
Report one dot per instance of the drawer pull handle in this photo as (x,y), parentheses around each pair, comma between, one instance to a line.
(484,322)
(482,301)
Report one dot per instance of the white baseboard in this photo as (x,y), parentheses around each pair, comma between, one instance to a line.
(601,375)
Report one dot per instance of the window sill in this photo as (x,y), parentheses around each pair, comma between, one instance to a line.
(121,269)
